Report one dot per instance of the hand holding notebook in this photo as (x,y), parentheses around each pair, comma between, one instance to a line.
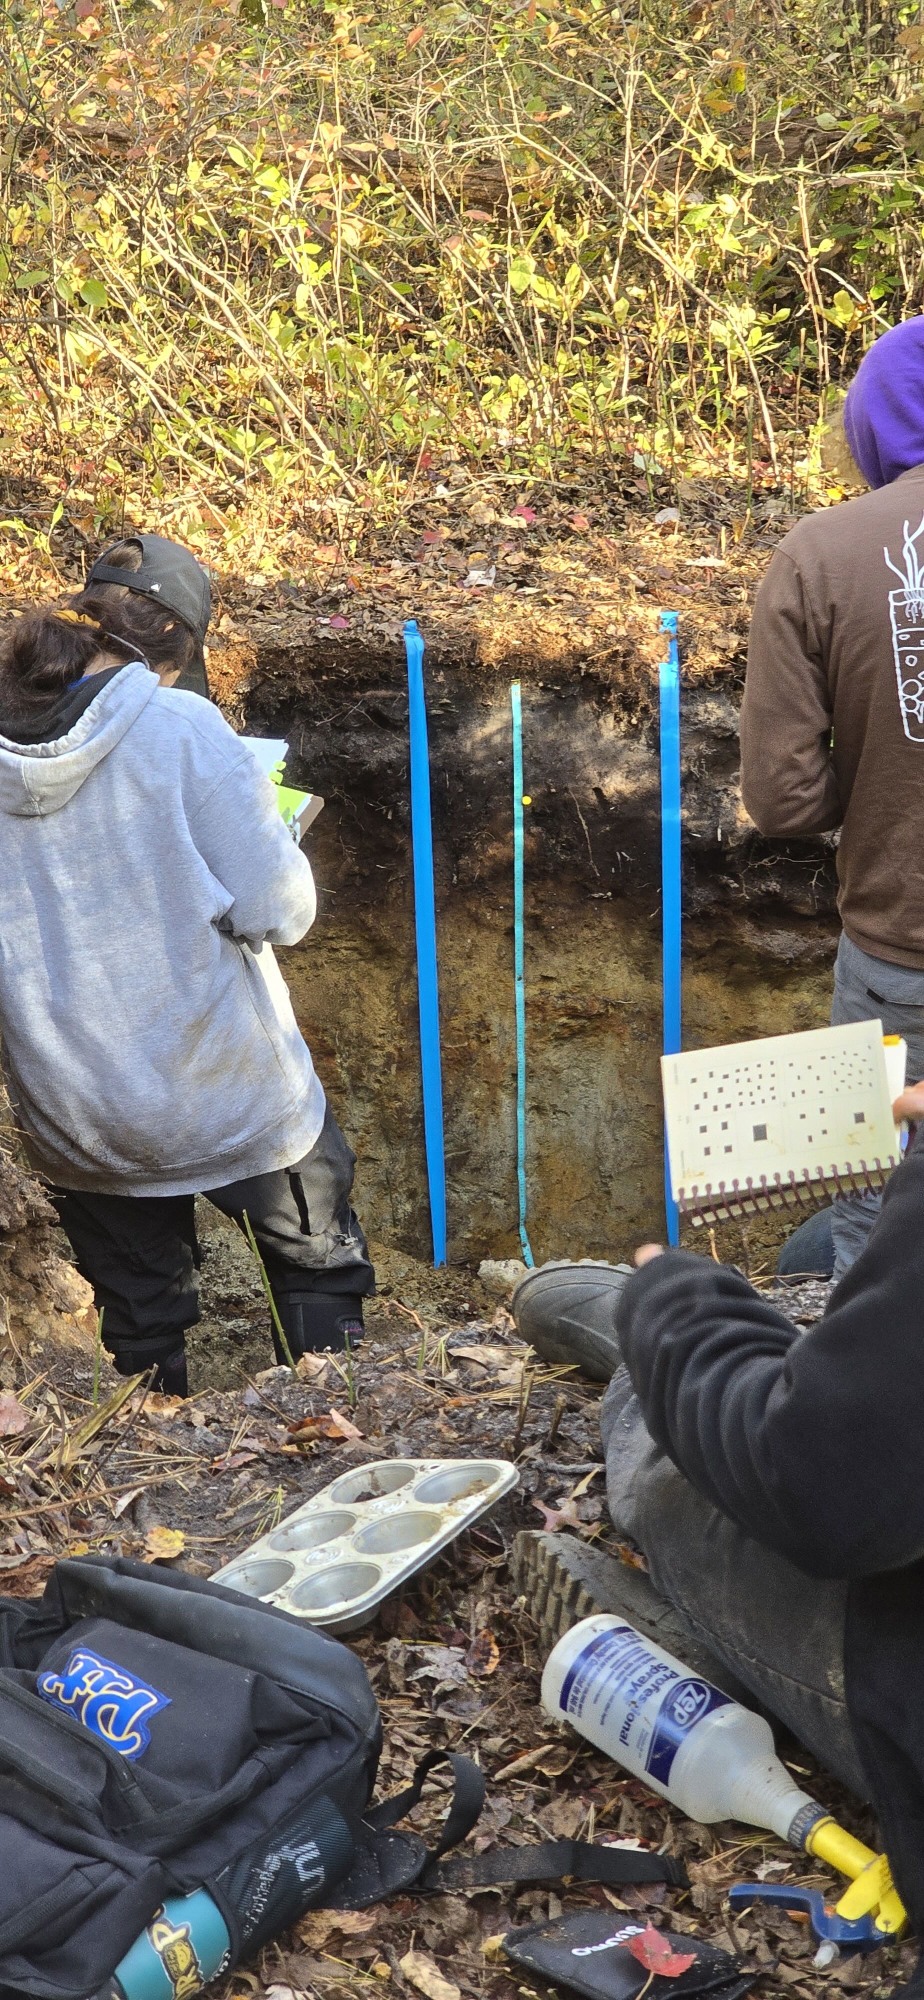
(789,1120)
(298,809)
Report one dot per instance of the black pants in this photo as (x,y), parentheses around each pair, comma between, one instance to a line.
(140,1254)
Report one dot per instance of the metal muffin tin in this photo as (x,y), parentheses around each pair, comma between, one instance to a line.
(334,1560)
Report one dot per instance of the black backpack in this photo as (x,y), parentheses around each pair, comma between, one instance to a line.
(163,1738)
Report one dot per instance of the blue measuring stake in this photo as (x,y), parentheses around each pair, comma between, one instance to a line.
(519,961)
(669,686)
(428,999)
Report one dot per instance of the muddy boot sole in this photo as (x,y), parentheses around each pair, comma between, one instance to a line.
(564,1580)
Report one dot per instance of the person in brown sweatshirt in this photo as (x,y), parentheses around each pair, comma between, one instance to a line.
(832,724)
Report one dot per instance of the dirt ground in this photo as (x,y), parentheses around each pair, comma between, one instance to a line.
(454,1657)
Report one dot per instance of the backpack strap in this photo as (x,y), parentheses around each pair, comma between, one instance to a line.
(469,1785)
(389,1862)
(552,1861)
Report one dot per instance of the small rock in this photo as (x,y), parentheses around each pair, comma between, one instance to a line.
(501,1276)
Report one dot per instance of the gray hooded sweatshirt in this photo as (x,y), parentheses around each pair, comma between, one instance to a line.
(149,1043)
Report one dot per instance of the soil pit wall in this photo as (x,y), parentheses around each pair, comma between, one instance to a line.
(759,937)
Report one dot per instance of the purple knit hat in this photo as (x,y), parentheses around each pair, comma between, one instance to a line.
(884,411)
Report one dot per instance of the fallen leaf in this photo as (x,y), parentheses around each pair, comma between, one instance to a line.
(552,1760)
(666,516)
(26,1576)
(13,1418)
(580,522)
(503,1364)
(162,1544)
(339,1426)
(527,514)
(565,1515)
(126,1501)
(489,1357)
(445,1664)
(656,1953)
(315,1928)
(423,1972)
(416,35)
(480,579)
(339,624)
(312,1367)
(483,1656)
(632,1557)
(232,1461)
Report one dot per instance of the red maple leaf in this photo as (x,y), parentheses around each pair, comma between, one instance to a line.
(656,1953)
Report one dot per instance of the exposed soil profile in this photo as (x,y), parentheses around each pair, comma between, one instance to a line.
(759,936)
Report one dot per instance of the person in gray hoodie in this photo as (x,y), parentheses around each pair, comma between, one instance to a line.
(150,1049)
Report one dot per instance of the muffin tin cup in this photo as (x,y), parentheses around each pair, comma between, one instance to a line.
(334,1560)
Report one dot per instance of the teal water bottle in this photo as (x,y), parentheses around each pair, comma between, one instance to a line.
(279,1876)
(182,1948)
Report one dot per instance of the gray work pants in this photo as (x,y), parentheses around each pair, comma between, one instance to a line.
(779,1632)
(872,989)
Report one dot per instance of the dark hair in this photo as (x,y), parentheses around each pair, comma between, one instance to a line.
(40,654)
(158,635)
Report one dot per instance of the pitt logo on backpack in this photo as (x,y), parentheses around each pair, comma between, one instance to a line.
(111,1702)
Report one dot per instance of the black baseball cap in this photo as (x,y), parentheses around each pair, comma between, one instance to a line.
(171,576)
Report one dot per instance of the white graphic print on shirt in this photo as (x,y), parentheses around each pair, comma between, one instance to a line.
(906,607)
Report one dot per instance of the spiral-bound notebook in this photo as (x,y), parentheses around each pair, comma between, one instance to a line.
(791,1120)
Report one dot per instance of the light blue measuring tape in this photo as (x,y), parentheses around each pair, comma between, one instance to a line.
(428,999)
(519,958)
(669,685)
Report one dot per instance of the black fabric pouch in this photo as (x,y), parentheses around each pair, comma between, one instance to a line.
(588,1952)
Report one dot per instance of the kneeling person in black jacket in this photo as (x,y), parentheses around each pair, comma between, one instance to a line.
(774,1479)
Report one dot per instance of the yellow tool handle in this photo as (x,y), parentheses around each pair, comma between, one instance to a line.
(867,1890)
(832,1843)
(871,1890)
(892,1915)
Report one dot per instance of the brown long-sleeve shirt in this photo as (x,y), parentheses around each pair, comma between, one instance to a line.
(832,724)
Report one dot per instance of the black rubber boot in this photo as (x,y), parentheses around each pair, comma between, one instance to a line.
(170,1377)
(314,1321)
(566,1312)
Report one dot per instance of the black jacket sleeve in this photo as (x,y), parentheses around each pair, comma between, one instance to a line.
(813,1442)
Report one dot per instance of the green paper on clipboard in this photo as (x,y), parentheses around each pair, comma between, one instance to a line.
(299,809)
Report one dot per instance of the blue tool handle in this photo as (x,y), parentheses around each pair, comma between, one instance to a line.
(671,913)
(425,923)
(860,1934)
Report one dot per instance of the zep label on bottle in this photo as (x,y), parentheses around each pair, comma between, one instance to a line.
(620,1688)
